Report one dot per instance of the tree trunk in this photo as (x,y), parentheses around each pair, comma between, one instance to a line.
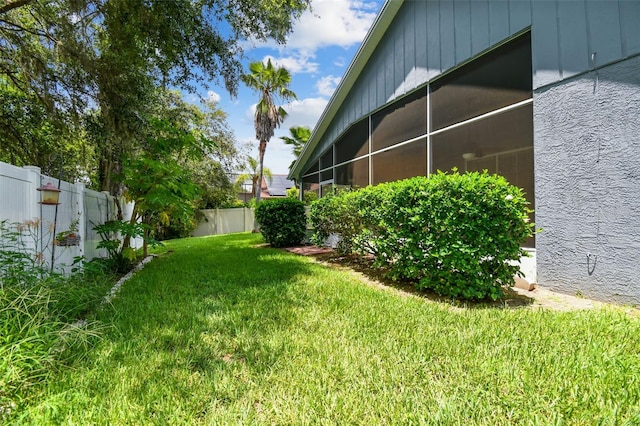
(261,149)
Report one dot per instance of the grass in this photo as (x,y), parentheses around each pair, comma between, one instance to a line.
(219,331)
(37,312)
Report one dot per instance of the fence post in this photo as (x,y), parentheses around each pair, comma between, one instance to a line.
(82,219)
(35,180)
(33,207)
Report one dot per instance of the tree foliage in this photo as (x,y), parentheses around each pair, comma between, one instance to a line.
(299,136)
(112,56)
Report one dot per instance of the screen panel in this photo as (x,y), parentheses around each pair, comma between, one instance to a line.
(354,143)
(401,121)
(354,174)
(400,162)
(498,79)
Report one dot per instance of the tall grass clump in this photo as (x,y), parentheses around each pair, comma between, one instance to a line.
(458,235)
(37,309)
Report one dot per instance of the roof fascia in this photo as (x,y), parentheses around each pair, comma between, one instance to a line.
(362,56)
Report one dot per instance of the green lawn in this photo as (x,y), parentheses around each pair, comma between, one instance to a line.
(220,331)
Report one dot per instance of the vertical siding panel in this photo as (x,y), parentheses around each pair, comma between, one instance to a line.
(572,27)
(479,26)
(389,68)
(421,31)
(372,83)
(544,40)
(410,48)
(461,13)
(447,35)
(399,58)
(519,15)
(380,92)
(603,23)
(498,20)
(630,27)
(434,63)
(361,93)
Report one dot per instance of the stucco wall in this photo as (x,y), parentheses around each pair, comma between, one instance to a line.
(587,168)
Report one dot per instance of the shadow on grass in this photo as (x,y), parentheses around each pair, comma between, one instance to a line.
(363,265)
(206,305)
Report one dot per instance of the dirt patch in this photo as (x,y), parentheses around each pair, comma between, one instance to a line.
(539,297)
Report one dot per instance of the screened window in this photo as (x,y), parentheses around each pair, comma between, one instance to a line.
(311,183)
(326,175)
(354,143)
(501,144)
(327,159)
(354,174)
(314,168)
(495,80)
(477,144)
(403,120)
(401,162)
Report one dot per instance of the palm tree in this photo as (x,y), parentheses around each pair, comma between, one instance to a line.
(272,84)
(299,137)
(252,174)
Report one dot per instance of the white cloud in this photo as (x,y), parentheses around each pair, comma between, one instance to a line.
(305,112)
(339,61)
(327,85)
(333,23)
(213,96)
(330,23)
(298,63)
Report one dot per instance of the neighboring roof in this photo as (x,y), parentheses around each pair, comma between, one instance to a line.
(276,187)
(279,185)
(368,46)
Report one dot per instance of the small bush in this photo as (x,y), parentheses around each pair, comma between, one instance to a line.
(333,214)
(457,235)
(282,221)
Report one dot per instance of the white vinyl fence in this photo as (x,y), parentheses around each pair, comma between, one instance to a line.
(20,205)
(224,221)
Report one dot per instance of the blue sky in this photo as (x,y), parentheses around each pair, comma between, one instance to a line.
(317,54)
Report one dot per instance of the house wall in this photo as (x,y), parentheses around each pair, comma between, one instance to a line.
(587,166)
(586,101)
(428,38)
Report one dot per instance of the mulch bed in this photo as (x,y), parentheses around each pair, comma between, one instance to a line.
(309,250)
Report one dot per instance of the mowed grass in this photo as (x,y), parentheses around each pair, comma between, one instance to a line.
(220,331)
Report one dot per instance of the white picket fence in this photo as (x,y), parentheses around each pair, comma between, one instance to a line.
(20,205)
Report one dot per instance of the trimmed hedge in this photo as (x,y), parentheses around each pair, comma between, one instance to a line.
(458,235)
(282,221)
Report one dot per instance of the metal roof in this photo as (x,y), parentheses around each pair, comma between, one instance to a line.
(278,185)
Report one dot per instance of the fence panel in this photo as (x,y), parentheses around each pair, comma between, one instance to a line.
(99,207)
(79,210)
(224,221)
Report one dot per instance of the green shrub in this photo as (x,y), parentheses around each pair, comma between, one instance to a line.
(458,235)
(282,221)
